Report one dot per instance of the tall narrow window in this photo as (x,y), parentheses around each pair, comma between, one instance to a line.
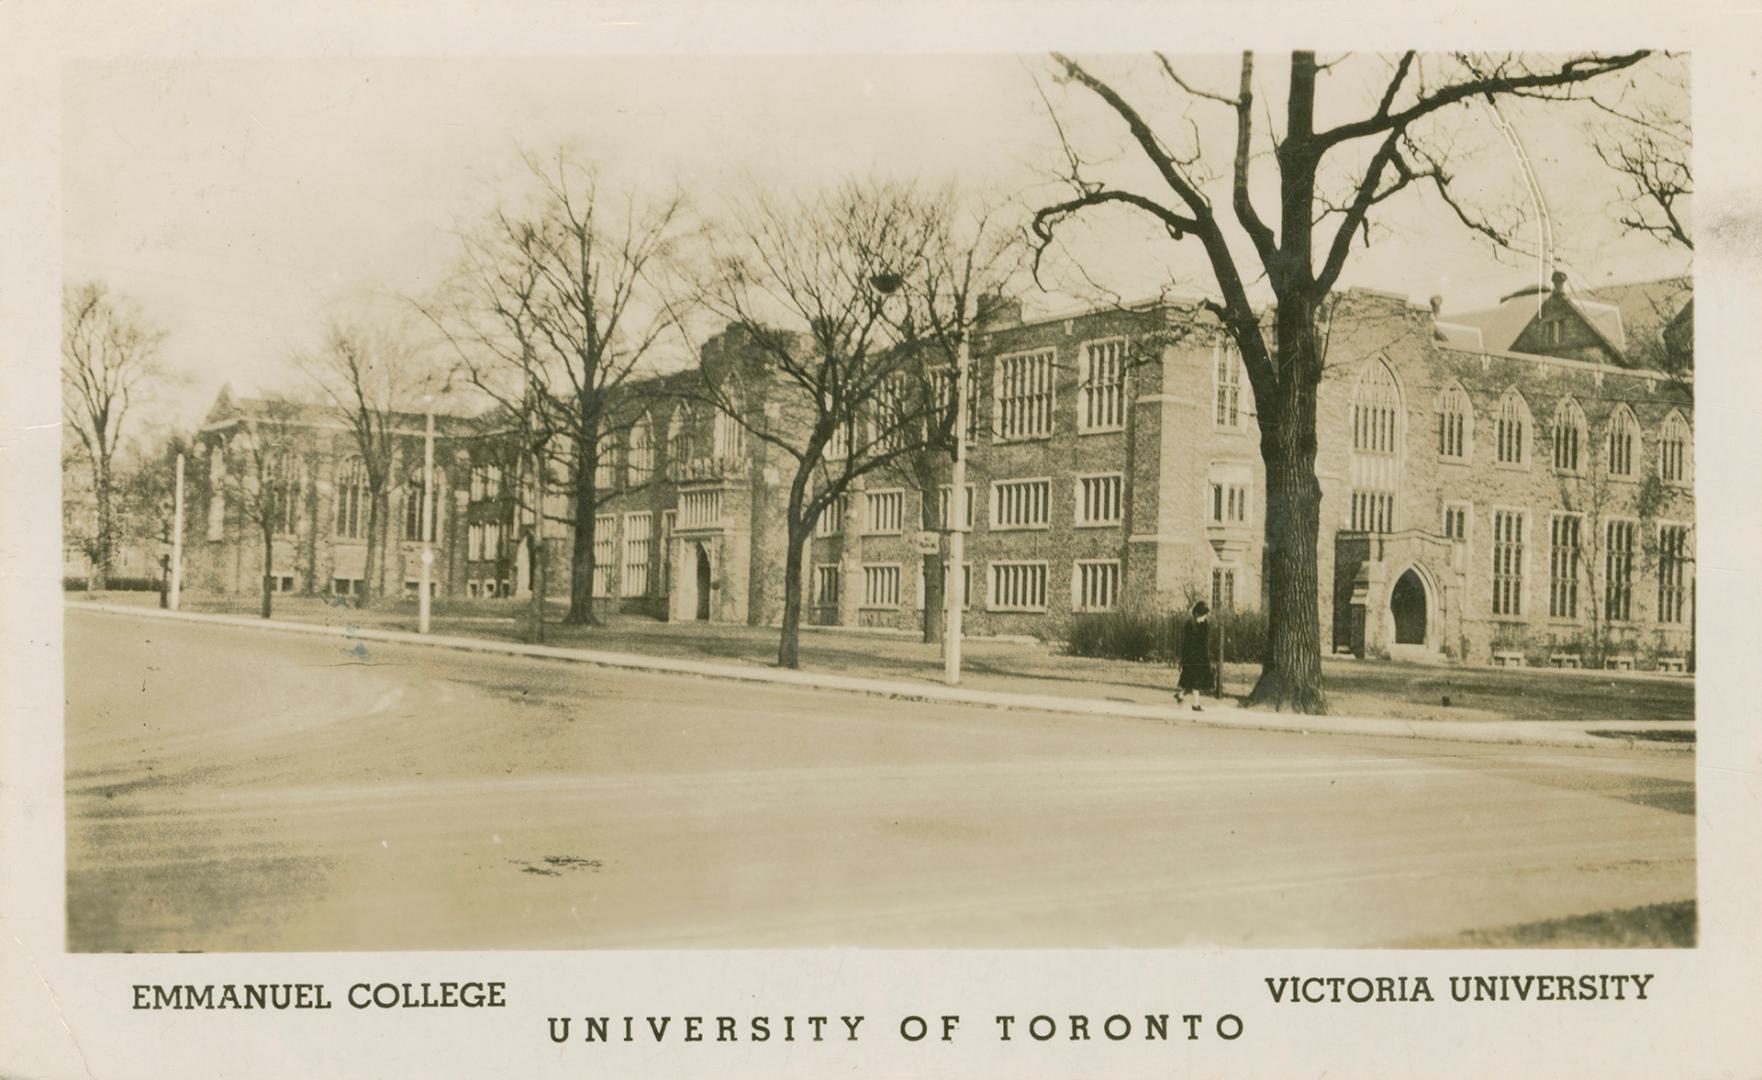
(1508,562)
(605,469)
(351,499)
(1569,436)
(636,553)
(1227,387)
(728,436)
(1024,395)
(831,519)
(639,463)
(1101,392)
(1512,431)
(826,578)
(1223,588)
(1456,521)
(1455,423)
(1623,443)
(1673,560)
(1378,427)
(1673,450)
(681,451)
(605,551)
(1564,566)
(1618,570)
(414,488)
(286,482)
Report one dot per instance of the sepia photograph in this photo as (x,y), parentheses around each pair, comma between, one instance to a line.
(1061,500)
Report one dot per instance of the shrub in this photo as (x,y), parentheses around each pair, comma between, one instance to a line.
(1156,635)
(116,584)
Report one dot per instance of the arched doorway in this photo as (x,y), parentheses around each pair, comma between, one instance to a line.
(703,583)
(1407,605)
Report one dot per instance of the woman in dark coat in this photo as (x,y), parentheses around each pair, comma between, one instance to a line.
(1195,652)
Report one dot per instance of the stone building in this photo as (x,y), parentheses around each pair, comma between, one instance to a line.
(1505,487)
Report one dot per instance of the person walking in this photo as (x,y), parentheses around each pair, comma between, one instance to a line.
(1195,656)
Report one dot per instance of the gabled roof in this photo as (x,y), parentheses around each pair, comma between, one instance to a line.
(1500,326)
(1646,307)
(1620,314)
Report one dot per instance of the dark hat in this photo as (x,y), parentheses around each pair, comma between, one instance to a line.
(1200,608)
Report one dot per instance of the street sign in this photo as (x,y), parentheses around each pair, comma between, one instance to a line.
(929,542)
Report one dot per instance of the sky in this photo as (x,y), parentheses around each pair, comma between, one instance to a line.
(242,202)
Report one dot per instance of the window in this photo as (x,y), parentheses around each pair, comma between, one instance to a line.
(1223,588)
(1099,499)
(1101,389)
(486,482)
(728,436)
(413,492)
(285,485)
(474,540)
(1021,504)
(492,540)
(1228,504)
(1673,448)
(339,586)
(1624,436)
(881,586)
(1095,586)
(639,462)
(699,509)
(1018,586)
(966,583)
(413,588)
(217,492)
(1455,424)
(831,519)
(1378,418)
(945,399)
(1673,558)
(680,450)
(473,589)
(1024,395)
(669,520)
(605,550)
(1508,562)
(1456,521)
(1618,570)
(1569,436)
(1512,431)
(826,578)
(605,466)
(1564,565)
(890,419)
(884,511)
(1227,387)
(351,499)
(942,512)
(636,553)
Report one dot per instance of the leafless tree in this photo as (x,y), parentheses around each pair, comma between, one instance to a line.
(1392,144)
(264,475)
(109,354)
(555,308)
(1649,144)
(809,288)
(366,372)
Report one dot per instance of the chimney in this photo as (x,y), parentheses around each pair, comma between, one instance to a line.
(1559,283)
(1437,306)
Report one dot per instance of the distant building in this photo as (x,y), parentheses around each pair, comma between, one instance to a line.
(1482,501)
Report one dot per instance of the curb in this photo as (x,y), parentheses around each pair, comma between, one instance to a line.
(1530,733)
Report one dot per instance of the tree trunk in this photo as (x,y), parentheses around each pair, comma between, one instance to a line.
(536,560)
(1290,673)
(105,547)
(268,569)
(789,644)
(373,567)
(581,557)
(935,617)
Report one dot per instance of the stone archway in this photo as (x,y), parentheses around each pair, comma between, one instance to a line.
(1409,610)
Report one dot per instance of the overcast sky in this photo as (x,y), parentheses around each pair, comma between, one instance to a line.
(239,202)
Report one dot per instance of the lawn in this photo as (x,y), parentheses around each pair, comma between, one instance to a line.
(1366,688)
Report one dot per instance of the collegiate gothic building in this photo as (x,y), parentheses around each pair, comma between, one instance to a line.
(1508,487)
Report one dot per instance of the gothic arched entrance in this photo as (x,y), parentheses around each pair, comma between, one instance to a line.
(1408,606)
(703,583)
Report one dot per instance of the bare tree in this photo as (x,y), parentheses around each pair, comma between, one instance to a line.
(556,308)
(1649,144)
(365,373)
(264,476)
(1391,145)
(108,354)
(145,493)
(808,288)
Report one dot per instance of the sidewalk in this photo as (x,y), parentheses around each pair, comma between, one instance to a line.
(1148,697)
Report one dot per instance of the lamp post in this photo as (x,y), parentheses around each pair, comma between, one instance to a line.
(954,586)
(423,601)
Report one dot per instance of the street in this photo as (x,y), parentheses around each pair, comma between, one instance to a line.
(232,790)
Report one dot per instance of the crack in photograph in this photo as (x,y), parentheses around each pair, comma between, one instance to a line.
(927,501)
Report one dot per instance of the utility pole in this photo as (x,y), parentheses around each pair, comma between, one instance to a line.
(954,589)
(177,536)
(423,600)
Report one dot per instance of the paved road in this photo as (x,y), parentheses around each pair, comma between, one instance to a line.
(243,790)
